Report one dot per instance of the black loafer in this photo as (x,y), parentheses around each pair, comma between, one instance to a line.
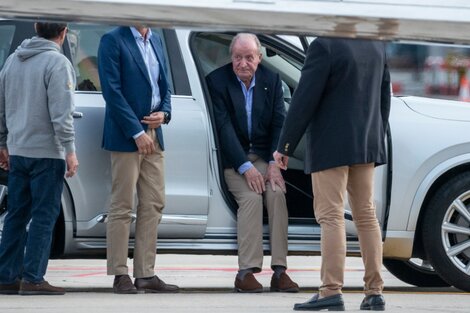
(373,303)
(331,303)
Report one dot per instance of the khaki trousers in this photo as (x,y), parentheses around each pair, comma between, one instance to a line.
(329,187)
(142,174)
(250,219)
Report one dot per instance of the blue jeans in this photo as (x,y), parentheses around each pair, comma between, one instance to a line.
(34,193)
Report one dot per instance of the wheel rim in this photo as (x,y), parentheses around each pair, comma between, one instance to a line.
(455,232)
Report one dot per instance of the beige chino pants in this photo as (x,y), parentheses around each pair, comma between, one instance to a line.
(250,219)
(329,188)
(133,173)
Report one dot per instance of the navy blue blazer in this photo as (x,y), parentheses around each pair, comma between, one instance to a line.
(127,90)
(342,103)
(267,114)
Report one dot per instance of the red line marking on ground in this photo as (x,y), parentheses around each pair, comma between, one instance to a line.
(90,274)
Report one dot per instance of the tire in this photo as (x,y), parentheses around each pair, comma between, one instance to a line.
(446,231)
(415,272)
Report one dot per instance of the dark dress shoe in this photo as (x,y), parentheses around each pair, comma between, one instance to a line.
(373,303)
(123,285)
(42,288)
(10,289)
(283,284)
(154,285)
(331,303)
(249,284)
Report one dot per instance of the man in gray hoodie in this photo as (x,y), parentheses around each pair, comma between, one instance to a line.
(36,134)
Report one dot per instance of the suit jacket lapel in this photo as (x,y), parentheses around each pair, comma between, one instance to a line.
(158,49)
(238,100)
(135,52)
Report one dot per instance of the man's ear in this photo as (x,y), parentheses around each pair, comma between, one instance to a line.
(62,34)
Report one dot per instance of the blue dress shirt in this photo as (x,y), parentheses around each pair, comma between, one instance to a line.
(152,65)
(248,93)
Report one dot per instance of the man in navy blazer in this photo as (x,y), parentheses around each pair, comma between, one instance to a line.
(249,112)
(342,103)
(133,77)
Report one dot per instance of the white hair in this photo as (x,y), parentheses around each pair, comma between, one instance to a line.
(245,36)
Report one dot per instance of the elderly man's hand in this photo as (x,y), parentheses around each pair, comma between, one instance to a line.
(255,180)
(274,177)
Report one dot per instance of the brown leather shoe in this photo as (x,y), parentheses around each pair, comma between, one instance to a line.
(283,284)
(10,289)
(29,289)
(123,285)
(154,285)
(249,284)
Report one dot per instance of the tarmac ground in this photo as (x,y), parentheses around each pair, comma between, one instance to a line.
(206,283)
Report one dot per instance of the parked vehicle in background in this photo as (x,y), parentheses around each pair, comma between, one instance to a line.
(422,195)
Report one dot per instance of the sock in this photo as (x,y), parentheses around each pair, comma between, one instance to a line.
(241,273)
(278,270)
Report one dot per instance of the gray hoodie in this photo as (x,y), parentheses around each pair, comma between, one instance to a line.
(37,87)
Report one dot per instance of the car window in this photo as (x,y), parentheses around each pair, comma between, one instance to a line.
(6,37)
(83,42)
(212,50)
(293,40)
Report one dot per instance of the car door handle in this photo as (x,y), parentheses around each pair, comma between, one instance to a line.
(77,114)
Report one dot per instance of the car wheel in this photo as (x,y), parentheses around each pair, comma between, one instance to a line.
(446,231)
(415,272)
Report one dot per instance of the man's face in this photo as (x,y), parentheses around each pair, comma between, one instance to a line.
(245,59)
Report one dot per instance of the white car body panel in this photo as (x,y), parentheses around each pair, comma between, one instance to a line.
(186,179)
(421,192)
(416,168)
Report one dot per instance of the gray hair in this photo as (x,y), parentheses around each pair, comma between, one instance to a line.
(245,36)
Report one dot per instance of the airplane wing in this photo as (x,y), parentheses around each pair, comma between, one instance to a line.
(424,20)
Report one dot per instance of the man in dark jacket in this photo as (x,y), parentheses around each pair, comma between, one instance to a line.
(342,102)
(249,112)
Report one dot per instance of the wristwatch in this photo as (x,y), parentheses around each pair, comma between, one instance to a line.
(166,117)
